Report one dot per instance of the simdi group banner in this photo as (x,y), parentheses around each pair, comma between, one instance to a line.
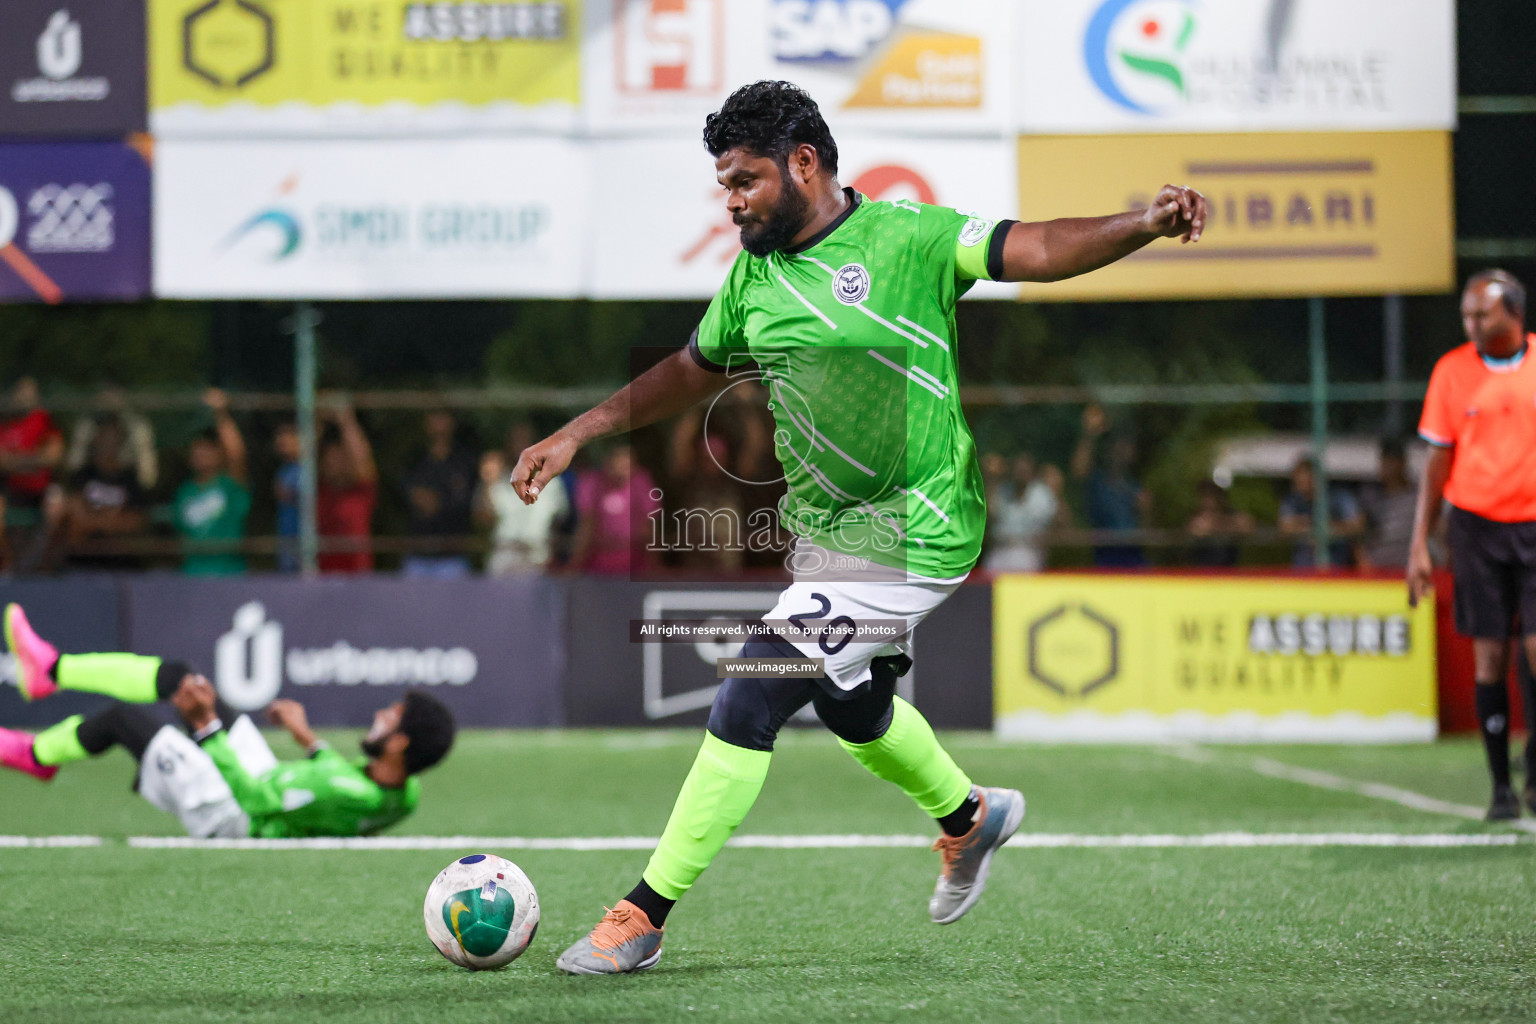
(72,68)
(918,66)
(1141,659)
(1318,213)
(74,222)
(1087,66)
(424,218)
(322,67)
(680,242)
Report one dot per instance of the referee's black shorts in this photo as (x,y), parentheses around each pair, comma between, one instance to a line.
(1494,565)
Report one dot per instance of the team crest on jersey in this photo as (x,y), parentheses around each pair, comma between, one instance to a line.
(850,284)
(974,231)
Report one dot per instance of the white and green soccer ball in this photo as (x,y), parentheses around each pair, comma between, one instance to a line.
(481,912)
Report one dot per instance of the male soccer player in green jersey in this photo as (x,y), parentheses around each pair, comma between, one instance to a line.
(846,307)
(223,783)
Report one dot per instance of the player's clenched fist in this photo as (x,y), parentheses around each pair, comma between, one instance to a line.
(539,464)
(1177,210)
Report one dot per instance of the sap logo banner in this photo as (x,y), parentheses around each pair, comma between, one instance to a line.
(831,30)
(467,218)
(72,68)
(249,662)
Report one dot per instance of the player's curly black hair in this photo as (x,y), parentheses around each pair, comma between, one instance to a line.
(430,726)
(770,119)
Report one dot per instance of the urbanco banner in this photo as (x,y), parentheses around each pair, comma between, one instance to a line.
(72,68)
(493,650)
(74,222)
(235,68)
(426,218)
(1098,66)
(680,241)
(907,66)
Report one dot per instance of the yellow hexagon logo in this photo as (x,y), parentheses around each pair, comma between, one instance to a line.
(228,43)
(1073,650)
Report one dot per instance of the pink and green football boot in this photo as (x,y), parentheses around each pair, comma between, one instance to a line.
(16,752)
(35,657)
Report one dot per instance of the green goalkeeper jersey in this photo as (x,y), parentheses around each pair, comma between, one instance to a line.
(326,795)
(853,334)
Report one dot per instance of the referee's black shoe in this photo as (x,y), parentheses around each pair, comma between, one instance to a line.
(1504,806)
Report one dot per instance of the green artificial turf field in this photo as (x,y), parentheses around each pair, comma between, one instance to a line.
(1068,933)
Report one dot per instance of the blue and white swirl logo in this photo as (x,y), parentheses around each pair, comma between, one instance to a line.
(1135,52)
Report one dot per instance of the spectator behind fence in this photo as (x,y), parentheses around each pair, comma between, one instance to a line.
(1026,507)
(1389,508)
(213,505)
(520,534)
(708,489)
(104,502)
(1215,528)
(346,494)
(285,492)
(1113,498)
(440,491)
(613,508)
(138,451)
(1344,519)
(31,447)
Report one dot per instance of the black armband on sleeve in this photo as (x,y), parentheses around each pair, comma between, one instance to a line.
(995,248)
(699,357)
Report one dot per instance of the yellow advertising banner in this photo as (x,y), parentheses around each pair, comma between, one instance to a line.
(1321,213)
(221,66)
(1126,659)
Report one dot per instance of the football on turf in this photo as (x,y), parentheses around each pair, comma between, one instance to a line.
(481,912)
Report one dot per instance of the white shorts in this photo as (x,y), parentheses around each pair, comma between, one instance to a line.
(821,596)
(178,776)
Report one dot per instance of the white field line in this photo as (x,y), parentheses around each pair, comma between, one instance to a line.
(1214,840)
(54,841)
(1339,784)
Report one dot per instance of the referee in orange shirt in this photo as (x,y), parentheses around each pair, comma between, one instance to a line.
(1480,416)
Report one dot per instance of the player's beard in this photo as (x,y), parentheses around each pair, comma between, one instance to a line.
(374,747)
(778,227)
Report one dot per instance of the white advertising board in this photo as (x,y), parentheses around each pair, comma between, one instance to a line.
(906,66)
(1137,66)
(370,219)
(667,234)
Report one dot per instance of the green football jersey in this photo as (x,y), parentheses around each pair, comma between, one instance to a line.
(853,334)
(326,795)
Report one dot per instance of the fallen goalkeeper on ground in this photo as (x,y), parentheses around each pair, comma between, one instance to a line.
(223,782)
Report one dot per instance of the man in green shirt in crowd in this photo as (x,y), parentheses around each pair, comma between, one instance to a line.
(212,505)
(222,782)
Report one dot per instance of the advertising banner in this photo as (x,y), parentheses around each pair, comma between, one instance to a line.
(612,681)
(72,68)
(1143,659)
(679,241)
(1132,66)
(1290,215)
(328,67)
(491,649)
(911,66)
(74,222)
(78,615)
(461,218)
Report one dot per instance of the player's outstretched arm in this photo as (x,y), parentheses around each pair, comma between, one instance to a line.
(666,389)
(1054,250)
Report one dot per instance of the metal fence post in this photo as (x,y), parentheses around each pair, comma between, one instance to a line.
(1321,528)
(304,321)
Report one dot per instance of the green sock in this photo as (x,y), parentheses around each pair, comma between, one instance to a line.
(910,756)
(59,744)
(718,793)
(128,677)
